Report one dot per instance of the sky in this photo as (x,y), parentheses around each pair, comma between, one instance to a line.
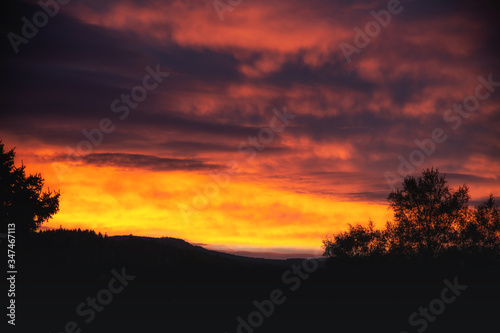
(248,126)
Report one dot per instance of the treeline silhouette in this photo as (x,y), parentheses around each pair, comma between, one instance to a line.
(431,222)
(86,246)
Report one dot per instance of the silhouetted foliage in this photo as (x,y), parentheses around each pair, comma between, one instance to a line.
(22,199)
(358,241)
(427,213)
(430,220)
(483,229)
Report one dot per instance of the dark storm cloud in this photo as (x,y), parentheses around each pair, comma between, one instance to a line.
(148,162)
(335,75)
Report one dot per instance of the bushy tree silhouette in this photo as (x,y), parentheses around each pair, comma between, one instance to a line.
(358,241)
(22,199)
(430,219)
(427,213)
(483,230)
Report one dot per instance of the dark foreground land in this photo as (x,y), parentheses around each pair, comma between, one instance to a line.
(168,285)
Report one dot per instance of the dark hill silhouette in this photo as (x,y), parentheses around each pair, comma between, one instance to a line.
(179,287)
(214,255)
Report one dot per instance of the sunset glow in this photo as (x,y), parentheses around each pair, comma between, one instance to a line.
(262,137)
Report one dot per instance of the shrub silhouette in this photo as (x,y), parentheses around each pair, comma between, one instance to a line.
(22,199)
(357,242)
(430,219)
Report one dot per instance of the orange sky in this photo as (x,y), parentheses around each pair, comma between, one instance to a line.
(151,168)
(247,214)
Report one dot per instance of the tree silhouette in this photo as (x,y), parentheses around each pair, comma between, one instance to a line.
(483,230)
(427,213)
(430,219)
(358,241)
(22,199)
